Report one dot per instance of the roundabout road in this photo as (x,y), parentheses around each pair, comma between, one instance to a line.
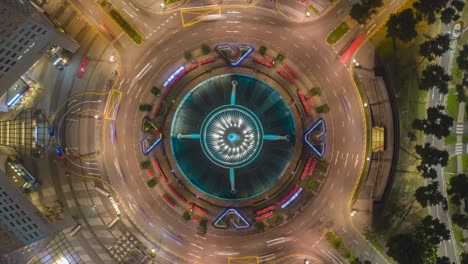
(160,54)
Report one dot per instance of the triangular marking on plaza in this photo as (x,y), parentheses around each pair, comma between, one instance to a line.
(192,15)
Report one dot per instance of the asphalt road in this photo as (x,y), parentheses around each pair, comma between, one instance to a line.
(302,43)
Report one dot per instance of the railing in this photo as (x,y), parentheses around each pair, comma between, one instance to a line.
(263,216)
(266,209)
(168,200)
(180,197)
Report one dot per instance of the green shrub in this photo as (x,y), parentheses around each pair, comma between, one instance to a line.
(315,91)
(312,9)
(132,32)
(145,107)
(337,33)
(321,166)
(188,55)
(186,216)
(280,57)
(203,226)
(313,184)
(103,3)
(260,226)
(152,182)
(145,164)
(262,50)
(205,48)
(323,109)
(278,218)
(155,91)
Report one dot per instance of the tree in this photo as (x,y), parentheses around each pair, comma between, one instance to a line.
(464,258)
(437,122)
(155,91)
(431,155)
(435,47)
(461,92)
(429,195)
(458,5)
(434,76)
(402,26)
(186,215)
(448,15)
(458,188)
(426,172)
(433,231)
(205,48)
(145,107)
(462,59)
(145,164)
(315,91)
(443,260)
(323,109)
(461,220)
(260,226)
(405,249)
(430,8)
(360,13)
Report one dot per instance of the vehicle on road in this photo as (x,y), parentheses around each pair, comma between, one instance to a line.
(444,205)
(82,67)
(58,151)
(52,131)
(456,31)
(212,17)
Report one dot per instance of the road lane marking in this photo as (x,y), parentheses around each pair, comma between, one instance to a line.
(336,159)
(355,164)
(346,161)
(194,255)
(195,245)
(301,37)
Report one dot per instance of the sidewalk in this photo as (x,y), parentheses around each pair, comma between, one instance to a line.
(381,164)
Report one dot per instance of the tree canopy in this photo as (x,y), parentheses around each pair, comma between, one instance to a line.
(402,26)
(448,15)
(427,172)
(362,11)
(433,230)
(458,5)
(432,156)
(461,220)
(405,249)
(434,76)
(430,8)
(429,195)
(435,47)
(462,58)
(437,122)
(458,187)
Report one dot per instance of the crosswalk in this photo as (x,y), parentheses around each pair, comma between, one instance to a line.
(458,148)
(459,129)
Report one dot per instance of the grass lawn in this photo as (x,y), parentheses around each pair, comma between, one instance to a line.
(451,165)
(368,139)
(464,162)
(450,140)
(452,104)
(403,69)
(337,33)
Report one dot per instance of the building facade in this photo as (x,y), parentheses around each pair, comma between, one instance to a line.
(25,35)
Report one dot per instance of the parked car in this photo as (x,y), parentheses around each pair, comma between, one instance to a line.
(456,31)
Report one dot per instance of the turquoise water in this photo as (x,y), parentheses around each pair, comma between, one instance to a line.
(266,168)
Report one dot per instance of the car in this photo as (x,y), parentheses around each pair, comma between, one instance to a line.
(58,151)
(52,131)
(82,67)
(456,31)
(444,205)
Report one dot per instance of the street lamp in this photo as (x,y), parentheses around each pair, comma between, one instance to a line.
(353,212)
(308,13)
(365,104)
(162,5)
(96,116)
